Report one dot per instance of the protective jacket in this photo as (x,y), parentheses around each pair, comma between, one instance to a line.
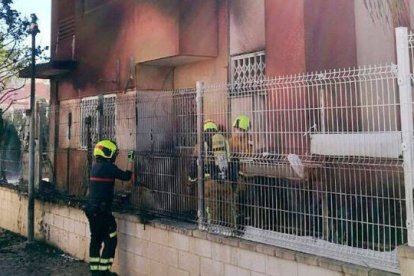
(217,162)
(102,180)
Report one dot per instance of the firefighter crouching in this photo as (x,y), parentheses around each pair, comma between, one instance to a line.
(241,145)
(218,178)
(99,207)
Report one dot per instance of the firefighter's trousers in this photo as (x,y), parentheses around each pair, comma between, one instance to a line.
(219,202)
(242,211)
(103,230)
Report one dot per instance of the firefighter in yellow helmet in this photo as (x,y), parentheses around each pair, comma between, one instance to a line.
(241,145)
(241,140)
(98,209)
(217,183)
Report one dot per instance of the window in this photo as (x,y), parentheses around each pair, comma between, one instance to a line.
(89,108)
(101,111)
(108,122)
(246,70)
(185,110)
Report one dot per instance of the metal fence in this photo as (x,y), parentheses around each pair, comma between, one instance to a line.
(320,170)
(166,133)
(325,166)
(14,145)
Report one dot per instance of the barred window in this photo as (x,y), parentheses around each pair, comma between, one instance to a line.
(89,108)
(246,70)
(102,112)
(185,110)
(108,116)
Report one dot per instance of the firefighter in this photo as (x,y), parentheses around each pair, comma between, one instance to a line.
(217,176)
(241,139)
(241,146)
(98,209)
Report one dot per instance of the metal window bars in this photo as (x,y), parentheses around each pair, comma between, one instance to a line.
(88,108)
(246,68)
(102,111)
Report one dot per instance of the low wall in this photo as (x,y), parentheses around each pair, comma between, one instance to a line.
(165,247)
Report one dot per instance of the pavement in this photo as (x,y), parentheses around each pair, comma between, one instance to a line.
(37,259)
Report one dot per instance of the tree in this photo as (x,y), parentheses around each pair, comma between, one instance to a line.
(14,53)
(395,13)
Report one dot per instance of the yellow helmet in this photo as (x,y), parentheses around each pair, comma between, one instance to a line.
(106,149)
(242,122)
(210,126)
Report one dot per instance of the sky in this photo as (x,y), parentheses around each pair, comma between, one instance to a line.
(42,8)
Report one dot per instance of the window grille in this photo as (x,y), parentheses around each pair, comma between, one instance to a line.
(108,122)
(247,69)
(186,119)
(89,108)
(102,112)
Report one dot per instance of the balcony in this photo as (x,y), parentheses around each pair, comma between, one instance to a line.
(188,33)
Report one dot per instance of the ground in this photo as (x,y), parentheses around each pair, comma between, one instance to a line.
(38,259)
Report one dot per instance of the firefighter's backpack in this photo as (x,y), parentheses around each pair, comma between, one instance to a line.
(221,153)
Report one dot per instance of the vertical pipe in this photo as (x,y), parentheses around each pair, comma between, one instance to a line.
(30,204)
(200,160)
(404,83)
(322,108)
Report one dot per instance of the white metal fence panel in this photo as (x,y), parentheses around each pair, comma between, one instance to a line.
(313,174)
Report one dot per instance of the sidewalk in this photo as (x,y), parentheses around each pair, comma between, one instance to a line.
(39,259)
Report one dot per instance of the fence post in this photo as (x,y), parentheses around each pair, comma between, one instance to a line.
(88,122)
(39,144)
(406,110)
(100,117)
(200,161)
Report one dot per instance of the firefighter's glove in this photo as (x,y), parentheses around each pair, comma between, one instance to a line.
(131,156)
(192,180)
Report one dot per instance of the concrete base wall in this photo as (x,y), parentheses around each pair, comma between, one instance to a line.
(406,256)
(165,247)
